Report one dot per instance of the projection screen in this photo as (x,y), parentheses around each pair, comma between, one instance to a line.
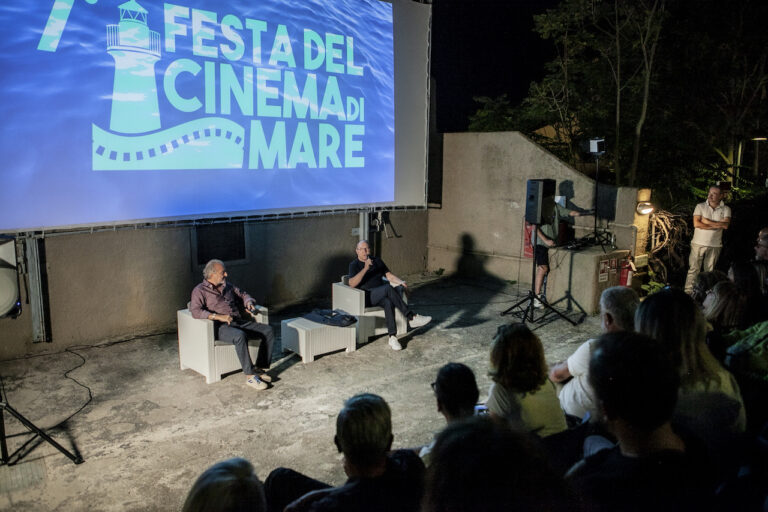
(116,112)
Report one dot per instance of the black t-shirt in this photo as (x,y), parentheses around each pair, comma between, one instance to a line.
(398,489)
(665,481)
(372,278)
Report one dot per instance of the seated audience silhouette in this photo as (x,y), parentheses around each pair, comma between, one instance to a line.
(652,467)
(521,391)
(617,313)
(710,404)
(704,282)
(745,276)
(456,393)
(378,480)
(725,310)
(227,486)
(481,464)
(761,268)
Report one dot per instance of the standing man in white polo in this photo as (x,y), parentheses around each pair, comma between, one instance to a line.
(710,218)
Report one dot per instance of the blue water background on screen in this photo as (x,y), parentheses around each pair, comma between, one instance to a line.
(54,102)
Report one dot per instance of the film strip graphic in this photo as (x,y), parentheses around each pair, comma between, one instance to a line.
(209,143)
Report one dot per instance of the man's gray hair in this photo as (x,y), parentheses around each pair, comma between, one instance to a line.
(621,302)
(208,270)
(364,429)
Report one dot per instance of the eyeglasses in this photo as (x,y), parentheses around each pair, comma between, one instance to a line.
(434,386)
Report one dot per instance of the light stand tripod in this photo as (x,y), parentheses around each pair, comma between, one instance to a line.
(6,459)
(530,299)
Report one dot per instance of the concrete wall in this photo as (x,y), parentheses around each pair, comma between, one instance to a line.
(483,203)
(114,285)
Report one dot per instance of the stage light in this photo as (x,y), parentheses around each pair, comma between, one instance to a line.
(597,146)
(644,207)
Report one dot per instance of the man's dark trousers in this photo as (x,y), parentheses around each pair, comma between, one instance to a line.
(238,333)
(388,298)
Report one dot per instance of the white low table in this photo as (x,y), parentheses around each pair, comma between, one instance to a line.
(310,339)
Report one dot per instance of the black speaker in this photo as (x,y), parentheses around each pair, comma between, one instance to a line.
(539,201)
(605,205)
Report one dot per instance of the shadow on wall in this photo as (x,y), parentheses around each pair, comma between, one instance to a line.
(470,271)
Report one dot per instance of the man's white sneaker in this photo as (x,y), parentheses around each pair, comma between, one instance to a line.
(537,304)
(419,321)
(257,383)
(394,344)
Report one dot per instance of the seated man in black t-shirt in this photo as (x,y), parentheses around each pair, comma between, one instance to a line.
(378,480)
(368,273)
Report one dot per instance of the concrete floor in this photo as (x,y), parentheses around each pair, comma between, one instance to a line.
(151,428)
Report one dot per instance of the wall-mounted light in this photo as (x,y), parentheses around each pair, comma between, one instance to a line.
(644,207)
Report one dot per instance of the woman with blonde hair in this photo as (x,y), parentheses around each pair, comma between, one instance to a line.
(521,391)
(709,400)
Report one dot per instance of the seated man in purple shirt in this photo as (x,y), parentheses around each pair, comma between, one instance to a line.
(227,305)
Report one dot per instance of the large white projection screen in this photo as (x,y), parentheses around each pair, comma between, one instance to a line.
(148,111)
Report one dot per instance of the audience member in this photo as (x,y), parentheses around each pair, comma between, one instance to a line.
(522,392)
(761,267)
(710,403)
(652,467)
(456,393)
(481,465)
(617,313)
(761,247)
(227,486)
(747,358)
(725,310)
(704,282)
(378,481)
(744,275)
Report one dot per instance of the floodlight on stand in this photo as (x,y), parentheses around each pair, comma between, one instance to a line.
(644,207)
(597,146)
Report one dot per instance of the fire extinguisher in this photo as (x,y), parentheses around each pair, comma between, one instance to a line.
(627,269)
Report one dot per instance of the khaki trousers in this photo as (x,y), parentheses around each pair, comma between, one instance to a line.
(700,254)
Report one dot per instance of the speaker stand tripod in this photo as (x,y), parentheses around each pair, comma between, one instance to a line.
(6,459)
(526,305)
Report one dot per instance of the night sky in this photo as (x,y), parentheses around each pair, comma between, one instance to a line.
(484,48)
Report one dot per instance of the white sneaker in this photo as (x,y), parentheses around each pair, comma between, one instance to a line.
(257,383)
(419,321)
(394,344)
(537,304)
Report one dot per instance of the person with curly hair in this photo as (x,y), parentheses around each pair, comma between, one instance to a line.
(521,390)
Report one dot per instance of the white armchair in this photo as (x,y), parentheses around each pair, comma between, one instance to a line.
(199,351)
(370,320)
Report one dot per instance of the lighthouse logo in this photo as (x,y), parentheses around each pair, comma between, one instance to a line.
(134,140)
